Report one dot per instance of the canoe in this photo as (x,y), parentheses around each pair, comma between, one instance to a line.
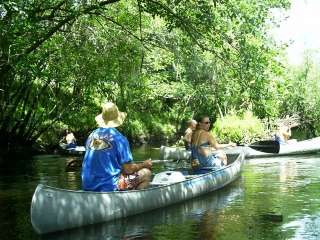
(175,153)
(294,148)
(180,153)
(54,209)
(136,225)
(78,150)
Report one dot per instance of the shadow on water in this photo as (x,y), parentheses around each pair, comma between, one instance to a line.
(191,213)
(14,165)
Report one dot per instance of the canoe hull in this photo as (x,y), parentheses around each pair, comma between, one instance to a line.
(54,209)
(77,151)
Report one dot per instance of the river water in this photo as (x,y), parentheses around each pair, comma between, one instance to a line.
(275,198)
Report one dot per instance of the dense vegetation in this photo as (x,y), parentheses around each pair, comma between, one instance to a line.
(160,61)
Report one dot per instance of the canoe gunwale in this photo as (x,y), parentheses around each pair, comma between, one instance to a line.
(195,176)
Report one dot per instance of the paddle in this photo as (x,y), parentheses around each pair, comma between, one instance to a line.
(267,146)
(159,161)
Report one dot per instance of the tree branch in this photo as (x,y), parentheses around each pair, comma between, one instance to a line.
(123,28)
(68,19)
(188,26)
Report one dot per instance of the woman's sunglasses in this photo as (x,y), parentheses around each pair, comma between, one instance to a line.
(206,122)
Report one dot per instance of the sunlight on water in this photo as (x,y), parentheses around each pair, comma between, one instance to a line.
(304,227)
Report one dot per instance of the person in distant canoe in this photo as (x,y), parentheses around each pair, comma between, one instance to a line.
(107,164)
(284,134)
(204,147)
(70,140)
(192,124)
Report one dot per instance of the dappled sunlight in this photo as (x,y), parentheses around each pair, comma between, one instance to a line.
(288,171)
(304,227)
(142,224)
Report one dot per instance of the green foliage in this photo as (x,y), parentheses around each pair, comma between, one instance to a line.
(299,93)
(240,129)
(160,61)
(141,128)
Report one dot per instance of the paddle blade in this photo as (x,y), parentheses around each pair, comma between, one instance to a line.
(268,146)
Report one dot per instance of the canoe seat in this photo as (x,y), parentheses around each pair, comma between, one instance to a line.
(168,177)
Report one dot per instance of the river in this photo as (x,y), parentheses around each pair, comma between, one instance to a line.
(276,198)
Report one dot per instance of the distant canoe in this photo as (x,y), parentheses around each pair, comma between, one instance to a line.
(295,148)
(78,150)
(54,209)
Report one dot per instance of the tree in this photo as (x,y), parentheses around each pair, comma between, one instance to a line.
(69,53)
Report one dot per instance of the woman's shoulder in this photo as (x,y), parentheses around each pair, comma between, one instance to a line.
(205,133)
(202,135)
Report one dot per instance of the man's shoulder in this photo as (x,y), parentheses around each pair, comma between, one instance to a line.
(102,131)
(112,134)
(102,138)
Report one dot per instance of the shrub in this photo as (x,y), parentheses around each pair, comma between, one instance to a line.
(146,128)
(241,129)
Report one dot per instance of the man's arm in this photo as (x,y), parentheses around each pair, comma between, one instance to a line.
(130,168)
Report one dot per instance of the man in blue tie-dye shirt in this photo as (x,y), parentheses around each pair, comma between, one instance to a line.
(107,164)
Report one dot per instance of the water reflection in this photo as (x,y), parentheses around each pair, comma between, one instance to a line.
(199,212)
(291,188)
(72,178)
(287,186)
(306,227)
(288,171)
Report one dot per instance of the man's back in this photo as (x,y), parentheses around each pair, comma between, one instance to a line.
(106,151)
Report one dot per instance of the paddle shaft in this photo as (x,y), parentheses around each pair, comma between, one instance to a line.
(158,161)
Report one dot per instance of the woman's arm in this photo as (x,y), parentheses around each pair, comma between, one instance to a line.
(213,142)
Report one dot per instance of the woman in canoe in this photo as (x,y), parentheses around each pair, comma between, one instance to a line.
(204,146)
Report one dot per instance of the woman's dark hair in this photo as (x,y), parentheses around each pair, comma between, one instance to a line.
(199,119)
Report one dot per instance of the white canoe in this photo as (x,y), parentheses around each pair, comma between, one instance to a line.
(174,153)
(142,223)
(78,150)
(295,148)
(180,153)
(54,209)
